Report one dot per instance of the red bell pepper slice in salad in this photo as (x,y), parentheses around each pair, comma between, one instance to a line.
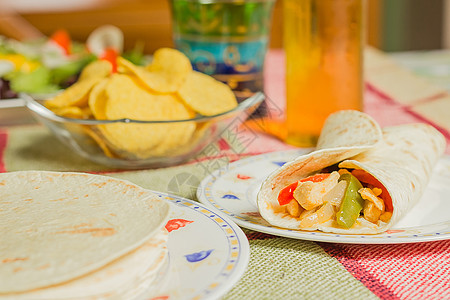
(111,54)
(62,39)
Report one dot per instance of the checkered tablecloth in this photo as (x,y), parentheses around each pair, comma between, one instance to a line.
(283,268)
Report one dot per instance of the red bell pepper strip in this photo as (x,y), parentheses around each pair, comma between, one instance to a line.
(287,194)
(316,178)
(365,177)
(62,38)
(111,55)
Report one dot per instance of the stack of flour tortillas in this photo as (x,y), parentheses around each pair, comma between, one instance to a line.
(78,236)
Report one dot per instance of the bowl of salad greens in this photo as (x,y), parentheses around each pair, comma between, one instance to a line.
(48,65)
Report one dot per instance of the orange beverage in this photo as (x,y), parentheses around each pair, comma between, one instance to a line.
(323,42)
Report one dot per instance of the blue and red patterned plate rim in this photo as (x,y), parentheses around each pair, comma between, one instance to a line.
(232,191)
(208,253)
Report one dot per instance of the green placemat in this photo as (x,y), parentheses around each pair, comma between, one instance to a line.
(279,268)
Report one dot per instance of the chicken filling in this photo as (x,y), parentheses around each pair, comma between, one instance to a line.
(341,195)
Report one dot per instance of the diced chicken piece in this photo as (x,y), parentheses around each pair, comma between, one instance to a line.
(371,211)
(336,194)
(294,209)
(310,194)
(386,216)
(369,194)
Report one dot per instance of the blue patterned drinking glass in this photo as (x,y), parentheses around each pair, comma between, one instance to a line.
(227,39)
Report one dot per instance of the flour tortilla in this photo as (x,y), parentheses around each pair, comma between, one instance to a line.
(400,157)
(113,280)
(59,226)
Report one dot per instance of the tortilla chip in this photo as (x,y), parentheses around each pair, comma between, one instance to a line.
(97,99)
(75,95)
(127,100)
(172,65)
(165,74)
(206,95)
(96,69)
(99,141)
(73,112)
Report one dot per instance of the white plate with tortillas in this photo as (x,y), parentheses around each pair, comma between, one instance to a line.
(78,236)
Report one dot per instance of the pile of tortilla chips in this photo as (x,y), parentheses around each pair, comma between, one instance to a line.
(165,90)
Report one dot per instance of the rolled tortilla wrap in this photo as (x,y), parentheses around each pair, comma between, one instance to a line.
(400,158)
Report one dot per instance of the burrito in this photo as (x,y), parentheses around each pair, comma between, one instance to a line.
(361,179)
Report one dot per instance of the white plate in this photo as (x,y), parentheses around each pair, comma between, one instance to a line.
(208,253)
(10,103)
(232,190)
(14,112)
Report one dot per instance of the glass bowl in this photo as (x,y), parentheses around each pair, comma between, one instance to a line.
(171,142)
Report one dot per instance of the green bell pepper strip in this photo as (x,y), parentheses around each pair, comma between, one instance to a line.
(352,203)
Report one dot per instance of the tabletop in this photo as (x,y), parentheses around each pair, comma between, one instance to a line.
(399,89)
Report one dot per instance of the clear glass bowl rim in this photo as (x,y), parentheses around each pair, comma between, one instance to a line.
(41,110)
